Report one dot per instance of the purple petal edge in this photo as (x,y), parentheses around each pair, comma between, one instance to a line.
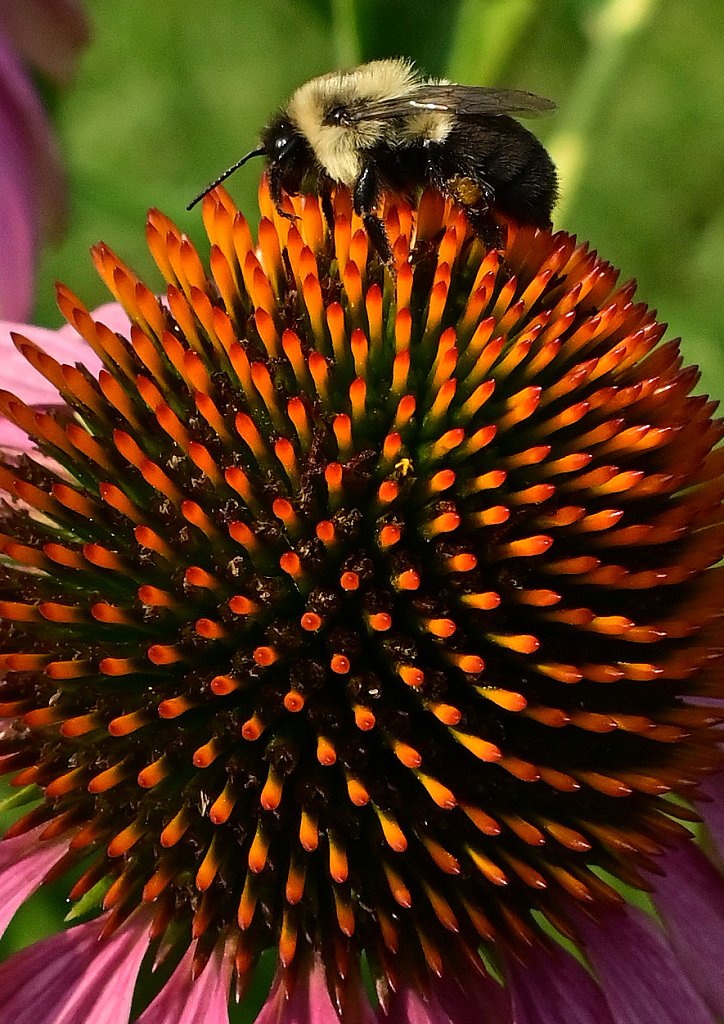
(641,977)
(554,987)
(711,809)
(19,223)
(690,899)
(450,1000)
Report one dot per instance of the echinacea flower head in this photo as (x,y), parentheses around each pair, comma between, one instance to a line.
(370,615)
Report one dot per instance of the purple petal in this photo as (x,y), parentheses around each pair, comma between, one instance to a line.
(20,114)
(49,34)
(274,1004)
(477,997)
(553,987)
(638,971)
(75,976)
(711,808)
(310,1002)
(31,184)
(185,1000)
(690,899)
(24,863)
(450,1001)
(12,438)
(407,1006)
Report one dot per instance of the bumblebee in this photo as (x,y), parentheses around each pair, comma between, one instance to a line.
(383,127)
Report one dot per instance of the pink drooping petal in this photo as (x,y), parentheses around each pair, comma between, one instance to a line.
(24,863)
(310,1002)
(75,977)
(553,987)
(188,1000)
(65,345)
(69,347)
(690,899)
(48,34)
(638,971)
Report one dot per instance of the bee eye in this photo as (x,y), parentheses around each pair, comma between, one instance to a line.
(282,145)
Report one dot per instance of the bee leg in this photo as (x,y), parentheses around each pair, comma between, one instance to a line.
(378,236)
(485,227)
(476,197)
(277,192)
(364,197)
(328,208)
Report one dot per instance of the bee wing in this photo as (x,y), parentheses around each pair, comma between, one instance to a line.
(471,101)
(461,100)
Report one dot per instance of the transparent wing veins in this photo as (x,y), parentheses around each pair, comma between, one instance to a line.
(462,100)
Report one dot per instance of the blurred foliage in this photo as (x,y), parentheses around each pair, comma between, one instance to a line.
(169,94)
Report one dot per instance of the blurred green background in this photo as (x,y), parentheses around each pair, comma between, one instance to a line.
(169,94)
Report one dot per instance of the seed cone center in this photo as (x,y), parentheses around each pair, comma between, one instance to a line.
(355,609)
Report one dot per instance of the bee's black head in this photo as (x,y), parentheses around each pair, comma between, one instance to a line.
(282,142)
(288,155)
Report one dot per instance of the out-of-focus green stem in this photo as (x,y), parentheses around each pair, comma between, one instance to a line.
(344,30)
(613,30)
(485,35)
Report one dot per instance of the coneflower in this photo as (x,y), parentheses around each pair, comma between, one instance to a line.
(369,615)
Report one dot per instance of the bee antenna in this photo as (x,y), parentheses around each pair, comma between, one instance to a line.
(225,175)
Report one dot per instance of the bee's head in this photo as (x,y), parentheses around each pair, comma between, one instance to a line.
(287,154)
(281,142)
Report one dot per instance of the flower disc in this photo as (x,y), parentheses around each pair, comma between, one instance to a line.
(363,611)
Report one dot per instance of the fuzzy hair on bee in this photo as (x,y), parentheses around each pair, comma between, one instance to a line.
(383,127)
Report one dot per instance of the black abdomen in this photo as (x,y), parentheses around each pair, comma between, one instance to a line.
(504,155)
